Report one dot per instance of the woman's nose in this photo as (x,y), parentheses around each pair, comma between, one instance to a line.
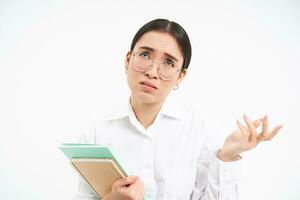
(153,71)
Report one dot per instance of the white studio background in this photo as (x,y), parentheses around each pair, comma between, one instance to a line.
(62,65)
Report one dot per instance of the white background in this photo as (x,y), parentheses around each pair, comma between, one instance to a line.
(62,64)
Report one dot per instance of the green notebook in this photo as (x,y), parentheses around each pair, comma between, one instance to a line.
(72,150)
(96,164)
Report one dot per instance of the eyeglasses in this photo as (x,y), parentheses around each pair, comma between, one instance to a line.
(167,69)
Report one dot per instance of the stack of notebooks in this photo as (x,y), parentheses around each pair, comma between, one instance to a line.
(96,164)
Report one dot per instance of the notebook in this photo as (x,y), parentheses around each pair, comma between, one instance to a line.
(96,164)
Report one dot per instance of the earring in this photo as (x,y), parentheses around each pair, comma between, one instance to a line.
(175,87)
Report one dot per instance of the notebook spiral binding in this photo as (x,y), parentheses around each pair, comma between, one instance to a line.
(85,180)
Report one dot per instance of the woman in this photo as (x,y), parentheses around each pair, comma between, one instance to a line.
(166,147)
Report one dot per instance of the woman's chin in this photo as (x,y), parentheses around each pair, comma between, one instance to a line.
(148,98)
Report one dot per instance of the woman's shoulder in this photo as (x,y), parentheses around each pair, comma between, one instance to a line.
(92,128)
(188,112)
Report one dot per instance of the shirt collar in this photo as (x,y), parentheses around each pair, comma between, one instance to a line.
(170,109)
(122,111)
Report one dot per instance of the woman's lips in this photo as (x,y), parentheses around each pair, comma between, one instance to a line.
(146,83)
(148,87)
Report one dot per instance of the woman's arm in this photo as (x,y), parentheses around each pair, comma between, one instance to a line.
(218,172)
(216,179)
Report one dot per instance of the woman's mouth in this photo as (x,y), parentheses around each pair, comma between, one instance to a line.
(146,83)
(148,87)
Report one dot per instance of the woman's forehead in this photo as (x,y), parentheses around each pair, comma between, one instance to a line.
(160,42)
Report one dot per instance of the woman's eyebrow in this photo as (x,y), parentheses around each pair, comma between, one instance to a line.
(172,57)
(146,48)
(166,54)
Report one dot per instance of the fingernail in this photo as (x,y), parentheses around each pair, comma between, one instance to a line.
(246,118)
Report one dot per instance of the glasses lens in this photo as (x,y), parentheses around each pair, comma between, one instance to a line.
(167,71)
(141,63)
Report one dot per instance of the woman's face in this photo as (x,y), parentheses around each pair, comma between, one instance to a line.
(147,86)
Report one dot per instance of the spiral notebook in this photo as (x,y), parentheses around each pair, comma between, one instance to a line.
(96,164)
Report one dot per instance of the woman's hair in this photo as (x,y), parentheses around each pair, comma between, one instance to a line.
(175,30)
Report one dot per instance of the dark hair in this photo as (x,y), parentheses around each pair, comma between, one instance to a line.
(174,30)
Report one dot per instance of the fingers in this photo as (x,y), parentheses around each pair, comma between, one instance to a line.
(125,181)
(137,181)
(257,123)
(242,128)
(264,130)
(273,133)
(265,127)
(252,129)
(129,188)
(135,190)
(264,135)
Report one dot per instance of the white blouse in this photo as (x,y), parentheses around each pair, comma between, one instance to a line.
(175,156)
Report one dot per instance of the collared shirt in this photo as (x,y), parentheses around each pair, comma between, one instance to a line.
(175,156)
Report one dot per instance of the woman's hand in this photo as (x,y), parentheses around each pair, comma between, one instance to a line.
(246,138)
(128,188)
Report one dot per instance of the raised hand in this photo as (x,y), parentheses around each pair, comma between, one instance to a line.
(246,138)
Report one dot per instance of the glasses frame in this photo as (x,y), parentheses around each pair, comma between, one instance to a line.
(158,66)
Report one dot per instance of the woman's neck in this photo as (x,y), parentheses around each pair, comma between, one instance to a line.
(145,113)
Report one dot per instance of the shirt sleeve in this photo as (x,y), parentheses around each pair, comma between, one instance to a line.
(216,179)
(85,192)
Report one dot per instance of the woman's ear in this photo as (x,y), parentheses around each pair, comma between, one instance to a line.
(181,76)
(127,59)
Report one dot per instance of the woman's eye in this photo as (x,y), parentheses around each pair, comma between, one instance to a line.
(145,55)
(170,63)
